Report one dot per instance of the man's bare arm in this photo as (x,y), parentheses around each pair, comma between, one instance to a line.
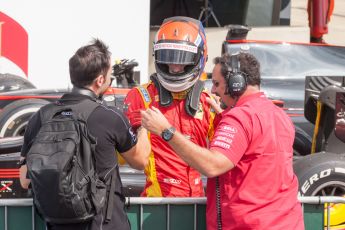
(24,182)
(137,157)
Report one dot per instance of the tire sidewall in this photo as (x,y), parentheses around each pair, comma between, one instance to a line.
(302,142)
(319,170)
(15,116)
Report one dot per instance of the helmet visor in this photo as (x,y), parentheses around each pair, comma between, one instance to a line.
(176,53)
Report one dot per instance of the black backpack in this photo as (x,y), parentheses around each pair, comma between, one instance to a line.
(61,165)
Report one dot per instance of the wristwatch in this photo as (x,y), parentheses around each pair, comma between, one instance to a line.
(167,134)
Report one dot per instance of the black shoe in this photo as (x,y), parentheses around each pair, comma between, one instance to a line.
(317,40)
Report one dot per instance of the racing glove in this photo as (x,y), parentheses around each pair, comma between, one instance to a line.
(134,118)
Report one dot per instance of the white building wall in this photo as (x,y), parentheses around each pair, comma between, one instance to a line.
(56,29)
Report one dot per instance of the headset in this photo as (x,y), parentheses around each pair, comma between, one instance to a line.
(236,80)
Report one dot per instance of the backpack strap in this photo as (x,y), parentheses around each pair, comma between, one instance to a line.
(81,110)
(84,108)
(110,200)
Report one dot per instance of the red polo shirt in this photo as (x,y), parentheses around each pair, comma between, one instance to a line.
(260,192)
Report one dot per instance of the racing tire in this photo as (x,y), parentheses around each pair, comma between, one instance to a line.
(15,116)
(323,174)
(302,143)
(317,171)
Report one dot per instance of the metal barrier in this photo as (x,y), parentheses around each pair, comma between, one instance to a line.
(157,213)
(319,202)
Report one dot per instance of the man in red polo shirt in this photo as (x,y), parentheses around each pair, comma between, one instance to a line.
(251,181)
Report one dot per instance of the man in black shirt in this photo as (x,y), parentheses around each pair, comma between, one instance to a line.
(90,72)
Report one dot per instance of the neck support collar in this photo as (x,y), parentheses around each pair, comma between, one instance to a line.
(192,99)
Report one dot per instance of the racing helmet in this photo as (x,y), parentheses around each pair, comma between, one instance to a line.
(180,40)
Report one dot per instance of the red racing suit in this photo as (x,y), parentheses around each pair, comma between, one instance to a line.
(167,175)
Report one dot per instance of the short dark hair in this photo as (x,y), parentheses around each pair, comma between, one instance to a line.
(248,65)
(88,63)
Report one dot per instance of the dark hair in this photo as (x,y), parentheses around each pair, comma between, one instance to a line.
(88,63)
(248,65)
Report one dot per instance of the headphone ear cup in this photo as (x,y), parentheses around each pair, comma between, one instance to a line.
(237,84)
